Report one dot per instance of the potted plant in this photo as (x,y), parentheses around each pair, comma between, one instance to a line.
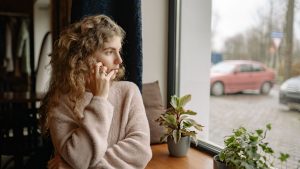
(178,126)
(247,150)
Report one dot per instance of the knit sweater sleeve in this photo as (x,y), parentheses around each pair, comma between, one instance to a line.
(80,143)
(134,151)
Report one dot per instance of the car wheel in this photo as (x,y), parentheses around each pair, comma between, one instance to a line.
(293,107)
(265,88)
(217,89)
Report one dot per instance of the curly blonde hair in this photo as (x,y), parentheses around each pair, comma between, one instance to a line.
(71,60)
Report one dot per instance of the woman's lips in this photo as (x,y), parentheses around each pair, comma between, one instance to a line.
(117,69)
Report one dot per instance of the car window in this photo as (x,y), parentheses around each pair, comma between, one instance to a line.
(245,68)
(222,68)
(257,68)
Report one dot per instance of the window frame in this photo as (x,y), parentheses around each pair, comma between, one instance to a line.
(173,68)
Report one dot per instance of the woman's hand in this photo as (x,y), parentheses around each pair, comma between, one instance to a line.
(99,80)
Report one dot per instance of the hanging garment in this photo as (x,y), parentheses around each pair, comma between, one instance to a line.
(23,47)
(2,44)
(12,35)
(9,62)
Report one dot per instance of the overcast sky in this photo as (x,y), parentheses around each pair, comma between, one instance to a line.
(230,17)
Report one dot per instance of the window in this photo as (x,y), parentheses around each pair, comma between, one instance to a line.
(245,68)
(255,30)
(257,68)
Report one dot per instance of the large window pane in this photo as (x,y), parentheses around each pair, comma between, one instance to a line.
(256,43)
(250,93)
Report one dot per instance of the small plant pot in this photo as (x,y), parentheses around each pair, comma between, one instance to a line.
(218,164)
(181,148)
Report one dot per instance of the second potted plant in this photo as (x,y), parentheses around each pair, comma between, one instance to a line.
(179,126)
(247,150)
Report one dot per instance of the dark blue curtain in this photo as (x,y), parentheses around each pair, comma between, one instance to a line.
(127,13)
(2,43)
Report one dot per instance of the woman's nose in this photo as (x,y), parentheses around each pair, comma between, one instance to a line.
(118,60)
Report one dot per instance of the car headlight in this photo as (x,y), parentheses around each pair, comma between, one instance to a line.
(284,86)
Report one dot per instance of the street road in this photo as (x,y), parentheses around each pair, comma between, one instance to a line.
(254,111)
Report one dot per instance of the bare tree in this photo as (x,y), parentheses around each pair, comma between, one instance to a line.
(235,48)
(289,30)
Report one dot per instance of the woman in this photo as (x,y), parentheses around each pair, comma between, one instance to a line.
(94,120)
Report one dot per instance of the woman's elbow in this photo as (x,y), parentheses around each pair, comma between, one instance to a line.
(148,154)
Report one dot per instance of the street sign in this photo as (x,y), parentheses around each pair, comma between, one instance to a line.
(277,36)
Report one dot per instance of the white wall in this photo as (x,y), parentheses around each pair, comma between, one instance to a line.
(155,43)
(42,20)
(41,25)
(195,51)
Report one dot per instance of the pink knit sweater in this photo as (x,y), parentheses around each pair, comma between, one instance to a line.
(112,134)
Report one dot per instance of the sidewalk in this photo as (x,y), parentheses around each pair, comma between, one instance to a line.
(255,111)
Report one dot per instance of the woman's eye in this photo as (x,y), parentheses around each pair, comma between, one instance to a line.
(109,52)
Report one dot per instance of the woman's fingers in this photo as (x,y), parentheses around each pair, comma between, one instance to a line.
(100,80)
(103,71)
(97,68)
(110,74)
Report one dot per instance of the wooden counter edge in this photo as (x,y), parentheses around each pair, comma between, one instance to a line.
(195,159)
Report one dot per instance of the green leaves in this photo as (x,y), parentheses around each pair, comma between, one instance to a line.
(174,102)
(171,120)
(176,135)
(283,157)
(189,112)
(177,121)
(259,132)
(178,102)
(269,127)
(245,149)
(184,100)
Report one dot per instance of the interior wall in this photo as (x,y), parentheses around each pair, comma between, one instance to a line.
(42,20)
(41,25)
(155,43)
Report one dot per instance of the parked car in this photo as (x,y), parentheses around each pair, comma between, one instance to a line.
(289,93)
(233,76)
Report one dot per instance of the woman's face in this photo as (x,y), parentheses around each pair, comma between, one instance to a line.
(109,55)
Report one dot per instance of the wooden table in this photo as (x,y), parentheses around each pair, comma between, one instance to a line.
(194,160)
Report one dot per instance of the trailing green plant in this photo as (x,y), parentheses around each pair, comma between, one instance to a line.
(176,120)
(249,150)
